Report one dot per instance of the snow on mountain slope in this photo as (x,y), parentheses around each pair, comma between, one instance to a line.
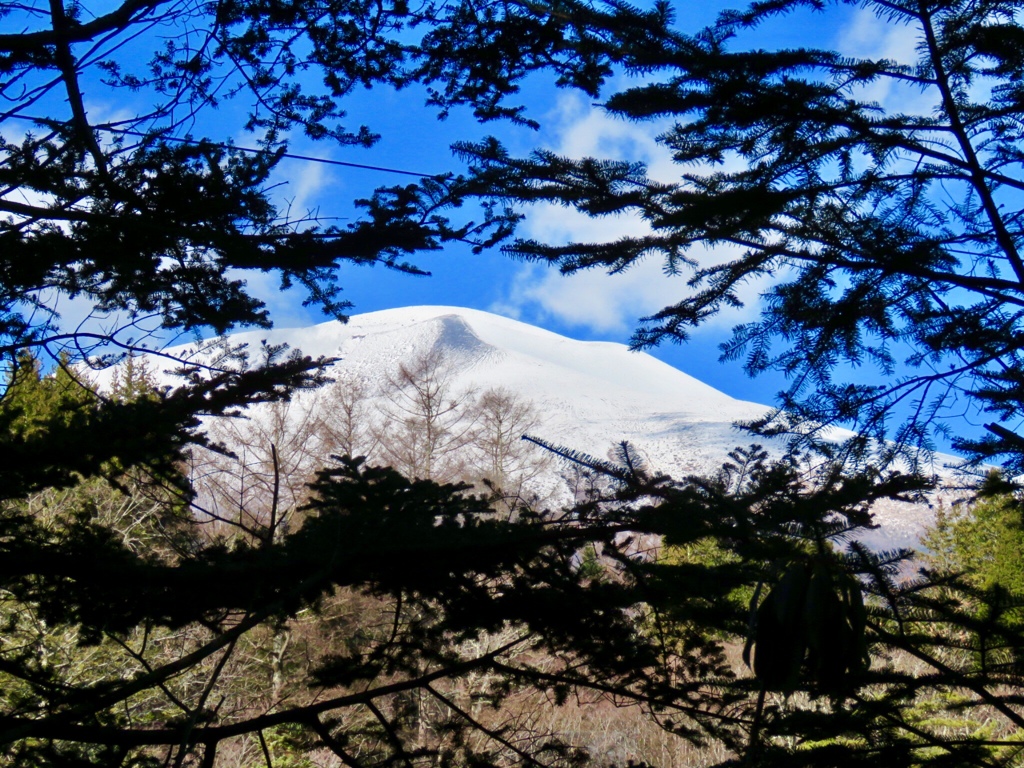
(590,395)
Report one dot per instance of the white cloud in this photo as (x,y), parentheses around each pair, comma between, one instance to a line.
(603,303)
(581,129)
(304,188)
(612,304)
(868,36)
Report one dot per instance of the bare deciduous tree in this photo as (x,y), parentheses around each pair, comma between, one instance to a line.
(343,417)
(259,488)
(499,453)
(426,422)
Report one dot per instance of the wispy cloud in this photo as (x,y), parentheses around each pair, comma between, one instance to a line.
(869,36)
(304,188)
(595,300)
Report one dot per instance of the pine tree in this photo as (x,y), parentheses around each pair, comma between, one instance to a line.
(31,399)
(133,379)
(885,231)
(886,235)
(131,634)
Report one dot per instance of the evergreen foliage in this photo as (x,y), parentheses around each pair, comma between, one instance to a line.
(375,626)
(887,235)
(133,635)
(32,401)
(984,543)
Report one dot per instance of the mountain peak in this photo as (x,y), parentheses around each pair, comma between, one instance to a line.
(589,396)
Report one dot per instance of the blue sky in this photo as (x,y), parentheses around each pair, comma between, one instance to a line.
(593,305)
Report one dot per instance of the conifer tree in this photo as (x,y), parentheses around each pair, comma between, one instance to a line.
(878,204)
(32,399)
(886,235)
(130,639)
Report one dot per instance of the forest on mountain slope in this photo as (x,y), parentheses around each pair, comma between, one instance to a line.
(384,616)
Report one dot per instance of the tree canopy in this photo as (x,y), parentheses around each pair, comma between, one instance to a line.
(150,216)
(880,198)
(379,622)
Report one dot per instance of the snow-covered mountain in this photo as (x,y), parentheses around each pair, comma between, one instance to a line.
(588,395)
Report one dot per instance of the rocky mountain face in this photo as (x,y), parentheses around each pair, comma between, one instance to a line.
(446,392)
